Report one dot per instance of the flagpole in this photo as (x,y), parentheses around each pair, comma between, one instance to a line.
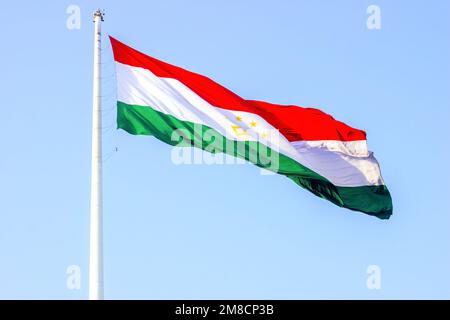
(96,228)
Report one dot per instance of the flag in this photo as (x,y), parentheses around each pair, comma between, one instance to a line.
(317,152)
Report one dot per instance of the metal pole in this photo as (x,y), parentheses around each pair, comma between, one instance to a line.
(96,232)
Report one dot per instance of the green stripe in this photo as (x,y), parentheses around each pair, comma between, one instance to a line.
(143,120)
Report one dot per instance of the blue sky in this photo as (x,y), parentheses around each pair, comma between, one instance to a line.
(221,231)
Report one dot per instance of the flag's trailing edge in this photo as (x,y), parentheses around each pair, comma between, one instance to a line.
(319,153)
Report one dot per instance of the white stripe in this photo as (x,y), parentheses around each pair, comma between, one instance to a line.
(345,164)
(356,148)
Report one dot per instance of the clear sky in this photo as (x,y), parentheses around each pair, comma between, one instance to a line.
(224,231)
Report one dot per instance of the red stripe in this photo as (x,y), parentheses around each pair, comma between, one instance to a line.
(294,122)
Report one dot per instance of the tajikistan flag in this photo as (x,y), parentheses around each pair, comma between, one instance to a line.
(317,152)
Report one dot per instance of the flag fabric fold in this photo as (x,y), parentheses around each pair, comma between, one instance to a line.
(323,155)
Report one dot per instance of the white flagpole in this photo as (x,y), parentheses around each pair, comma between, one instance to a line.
(96,230)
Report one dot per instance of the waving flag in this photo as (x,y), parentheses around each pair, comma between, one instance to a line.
(319,153)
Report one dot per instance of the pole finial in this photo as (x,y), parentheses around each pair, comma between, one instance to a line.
(99,13)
